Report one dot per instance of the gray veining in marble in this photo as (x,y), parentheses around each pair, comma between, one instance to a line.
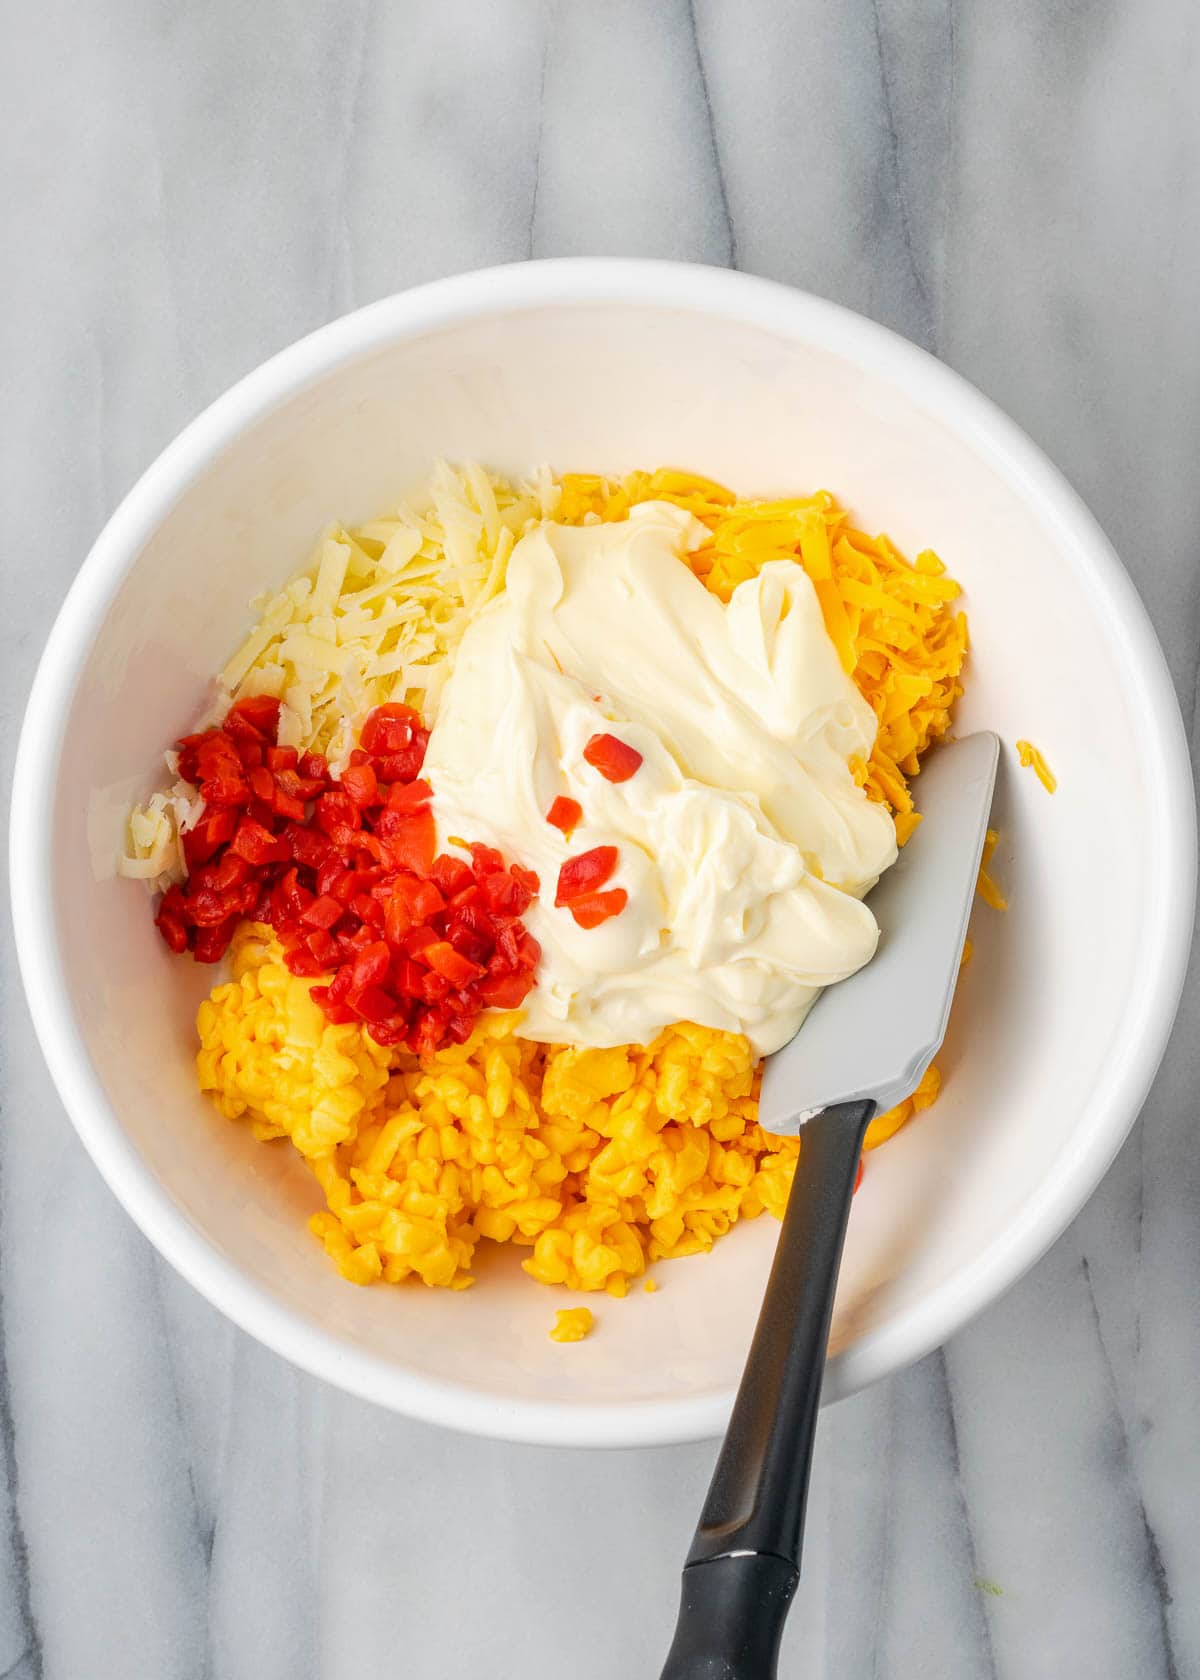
(184,189)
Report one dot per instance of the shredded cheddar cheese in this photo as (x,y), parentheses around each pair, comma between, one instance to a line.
(1031,759)
(987,889)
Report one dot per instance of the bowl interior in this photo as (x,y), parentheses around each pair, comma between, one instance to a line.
(596,386)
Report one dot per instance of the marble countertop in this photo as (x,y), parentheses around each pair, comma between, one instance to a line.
(185,189)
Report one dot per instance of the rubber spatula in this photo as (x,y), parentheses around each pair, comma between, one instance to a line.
(863,1049)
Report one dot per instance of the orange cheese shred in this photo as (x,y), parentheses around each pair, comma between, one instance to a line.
(1031,759)
(987,889)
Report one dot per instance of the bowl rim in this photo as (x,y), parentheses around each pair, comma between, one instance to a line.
(519,288)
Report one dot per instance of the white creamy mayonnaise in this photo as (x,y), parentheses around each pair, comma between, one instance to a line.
(744,844)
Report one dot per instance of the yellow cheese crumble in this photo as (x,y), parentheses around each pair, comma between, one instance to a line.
(572,1324)
(596,1161)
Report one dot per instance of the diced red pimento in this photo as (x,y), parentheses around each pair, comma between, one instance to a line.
(414,944)
(585,873)
(443,959)
(566,814)
(362,784)
(591,909)
(616,760)
(388,729)
(579,883)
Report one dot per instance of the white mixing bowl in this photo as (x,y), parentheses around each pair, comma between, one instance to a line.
(1062,1015)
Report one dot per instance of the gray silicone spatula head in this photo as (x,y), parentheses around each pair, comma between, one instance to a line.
(874,1035)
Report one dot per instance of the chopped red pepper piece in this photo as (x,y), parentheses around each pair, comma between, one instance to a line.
(172,930)
(507,893)
(506,991)
(262,785)
(224,790)
(258,845)
(213,942)
(309,846)
(451,875)
(471,931)
(284,805)
(485,861)
(565,814)
(405,763)
(585,873)
(388,729)
(361,783)
(616,760)
(590,909)
(260,711)
(409,796)
(413,843)
(298,786)
(323,912)
(443,959)
(417,939)
(336,810)
(322,946)
(370,966)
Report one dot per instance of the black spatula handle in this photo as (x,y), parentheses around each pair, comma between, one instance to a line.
(744,1563)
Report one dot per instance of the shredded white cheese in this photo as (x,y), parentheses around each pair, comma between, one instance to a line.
(155,851)
(374,616)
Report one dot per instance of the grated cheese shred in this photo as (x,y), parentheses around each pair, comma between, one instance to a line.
(987,889)
(1031,759)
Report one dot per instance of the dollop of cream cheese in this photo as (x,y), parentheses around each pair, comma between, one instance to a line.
(743,842)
